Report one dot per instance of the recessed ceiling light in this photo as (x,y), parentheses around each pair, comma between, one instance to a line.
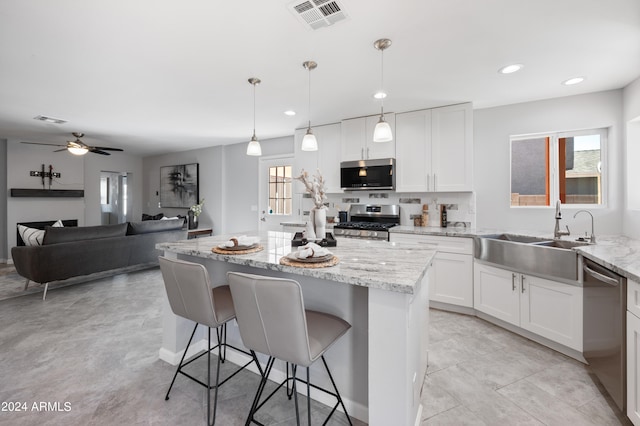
(290,113)
(380,95)
(572,81)
(49,119)
(509,69)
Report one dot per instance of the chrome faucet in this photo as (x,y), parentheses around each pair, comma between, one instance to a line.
(557,233)
(593,235)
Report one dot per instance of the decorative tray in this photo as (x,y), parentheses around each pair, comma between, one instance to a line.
(328,241)
(318,259)
(220,250)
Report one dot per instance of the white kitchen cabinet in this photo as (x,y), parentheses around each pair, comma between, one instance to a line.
(434,150)
(633,352)
(547,308)
(452,280)
(357,139)
(326,158)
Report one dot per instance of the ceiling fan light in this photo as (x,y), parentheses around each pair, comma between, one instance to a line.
(309,142)
(254,147)
(77,150)
(382,131)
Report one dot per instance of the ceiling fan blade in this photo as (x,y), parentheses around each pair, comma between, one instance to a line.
(40,143)
(97,151)
(104,148)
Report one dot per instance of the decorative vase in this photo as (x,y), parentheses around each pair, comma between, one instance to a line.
(321,222)
(192,221)
(310,233)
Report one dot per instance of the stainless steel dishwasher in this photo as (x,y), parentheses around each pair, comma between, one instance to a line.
(604,328)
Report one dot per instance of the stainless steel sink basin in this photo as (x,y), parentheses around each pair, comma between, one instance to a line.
(532,255)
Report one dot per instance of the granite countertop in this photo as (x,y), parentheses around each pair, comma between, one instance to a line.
(619,253)
(396,267)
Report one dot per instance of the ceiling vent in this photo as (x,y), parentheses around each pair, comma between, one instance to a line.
(316,14)
(49,119)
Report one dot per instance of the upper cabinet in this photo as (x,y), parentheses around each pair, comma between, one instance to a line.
(434,150)
(326,158)
(357,139)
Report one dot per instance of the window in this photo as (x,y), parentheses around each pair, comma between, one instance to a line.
(558,166)
(280,190)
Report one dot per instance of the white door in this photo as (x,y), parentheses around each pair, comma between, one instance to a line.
(277,201)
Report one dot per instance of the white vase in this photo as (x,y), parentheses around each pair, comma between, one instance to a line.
(310,233)
(321,222)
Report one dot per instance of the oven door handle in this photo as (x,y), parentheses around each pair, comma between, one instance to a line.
(600,277)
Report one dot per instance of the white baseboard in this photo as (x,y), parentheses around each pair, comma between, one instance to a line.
(357,410)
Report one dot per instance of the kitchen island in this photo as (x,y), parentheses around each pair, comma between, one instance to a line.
(381,288)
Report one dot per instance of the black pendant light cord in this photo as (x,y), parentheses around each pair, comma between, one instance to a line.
(309,106)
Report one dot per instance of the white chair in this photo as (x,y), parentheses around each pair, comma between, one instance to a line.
(273,321)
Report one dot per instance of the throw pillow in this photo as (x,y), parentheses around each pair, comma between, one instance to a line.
(58,224)
(31,236)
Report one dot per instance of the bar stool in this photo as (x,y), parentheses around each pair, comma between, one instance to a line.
(272,320)
(191,296)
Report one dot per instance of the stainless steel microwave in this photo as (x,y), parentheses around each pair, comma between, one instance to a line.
(368,174)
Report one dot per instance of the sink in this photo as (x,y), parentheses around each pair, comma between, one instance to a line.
(516,238)
(562,244)
(532,255)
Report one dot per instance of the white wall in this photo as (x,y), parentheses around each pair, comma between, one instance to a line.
(4,246)
(492,128)
(228,183)
(81,172)
(631,96)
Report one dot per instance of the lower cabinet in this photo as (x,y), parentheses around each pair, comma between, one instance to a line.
(633,352)
(547,308)
(452,268)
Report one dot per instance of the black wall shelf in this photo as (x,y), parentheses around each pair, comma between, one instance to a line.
(54,193)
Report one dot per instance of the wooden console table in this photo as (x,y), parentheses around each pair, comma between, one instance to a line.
(195,233)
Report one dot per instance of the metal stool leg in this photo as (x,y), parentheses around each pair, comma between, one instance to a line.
(308,399)
(336,389)
(181,360)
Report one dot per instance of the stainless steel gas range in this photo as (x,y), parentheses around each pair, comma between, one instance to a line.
(369,221)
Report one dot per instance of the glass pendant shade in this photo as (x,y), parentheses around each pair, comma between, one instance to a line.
(309,142)
(254,147)
(77,150)
(382,131)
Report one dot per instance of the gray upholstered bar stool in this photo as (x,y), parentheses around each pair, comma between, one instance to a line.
(273,321)
(191,296)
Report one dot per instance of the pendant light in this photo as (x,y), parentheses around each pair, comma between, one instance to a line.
(309,142)
(382,131)
(254,146)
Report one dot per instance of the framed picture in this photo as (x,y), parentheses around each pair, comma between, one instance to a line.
(179,185)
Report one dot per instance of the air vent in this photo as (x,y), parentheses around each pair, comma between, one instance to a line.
(49,119)
(316,14)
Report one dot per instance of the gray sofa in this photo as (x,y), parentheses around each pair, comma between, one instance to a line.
(69,252)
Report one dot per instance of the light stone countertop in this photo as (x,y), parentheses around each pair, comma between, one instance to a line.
(619,253)
(396,267)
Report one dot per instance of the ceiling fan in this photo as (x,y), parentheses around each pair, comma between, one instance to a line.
(77,147)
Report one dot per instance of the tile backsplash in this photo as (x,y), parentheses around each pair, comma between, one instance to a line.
(460,205)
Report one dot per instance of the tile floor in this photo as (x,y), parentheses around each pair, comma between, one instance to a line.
(95,346)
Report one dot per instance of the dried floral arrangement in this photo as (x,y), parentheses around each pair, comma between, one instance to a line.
(315,186)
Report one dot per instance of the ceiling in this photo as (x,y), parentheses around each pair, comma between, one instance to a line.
(157,76)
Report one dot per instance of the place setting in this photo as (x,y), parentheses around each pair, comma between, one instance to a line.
(310,255)
(239,245)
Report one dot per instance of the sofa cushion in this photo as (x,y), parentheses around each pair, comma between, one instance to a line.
(31,236)
(151,217)
(65,235)
(149,226)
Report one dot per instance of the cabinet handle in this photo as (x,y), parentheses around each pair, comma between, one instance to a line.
(513,282)
(367,153)
(522,282)
(435,182)
(428,181)
(362,153)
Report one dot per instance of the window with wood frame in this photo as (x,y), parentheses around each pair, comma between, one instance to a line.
(280,192)
(563,166)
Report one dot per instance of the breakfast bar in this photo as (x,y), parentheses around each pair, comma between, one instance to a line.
(380,288)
